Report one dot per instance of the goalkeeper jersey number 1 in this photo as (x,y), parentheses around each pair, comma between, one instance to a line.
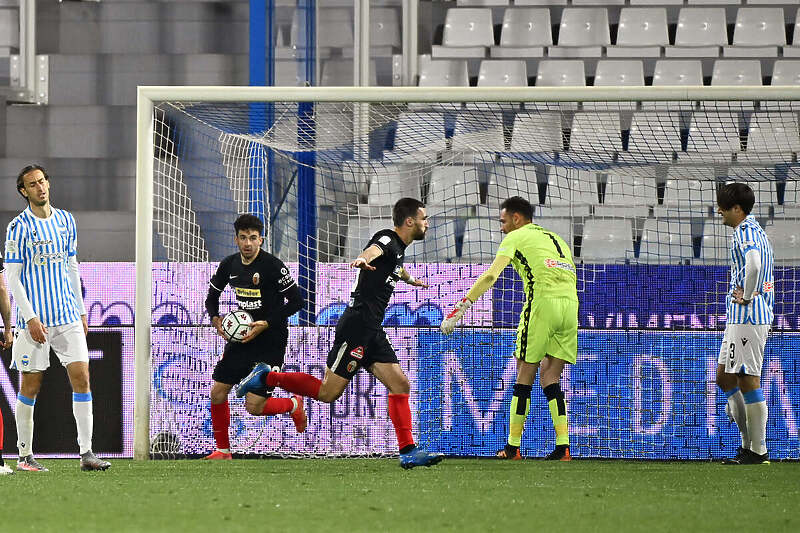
(543,260)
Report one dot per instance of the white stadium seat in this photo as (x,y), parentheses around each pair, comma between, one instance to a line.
(525,33)
(467,33)
(784,236)
(596,136)
(759,31)
(501,73)
(419,137)
(629,196)
(736,72)
(786,72)
(616,73)
(390,182)
(715,241)
(571,187)
(443,73)
(454,185)
(537,132)
(653,137)
(712,137)
(666,241)
(583,32)
(606,240)
(701,32)
(475,133)
(506,181)
(642,33)
(482,236)
(772,137)
(675,72)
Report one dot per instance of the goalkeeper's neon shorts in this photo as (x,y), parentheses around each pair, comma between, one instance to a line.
(548,326)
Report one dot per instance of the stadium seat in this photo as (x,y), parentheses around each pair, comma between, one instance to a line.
(772,137)
(688,192)
(759,31)
(385,35)
(736,72)
(440,241)
(791,191)
(501,73)
(598,2)
(701,32)
(540,2)
(475,134)
(786,72)
(653,138)
(675,72)
(537,132)
(482,236)
(510,180)
(784,236)
(454,185)
(441,73)
(606,240)
(525,33)
(712,137)
(561,73)
(595,137)
(666,241)
(656,2)
(715,241)
(419,137)
(336,31)
(390,182)
(642,33)
(583,32)
(481,3)
(467,33)
(629,196)
(359,232)
(571,187)
(616,73)
(339,73)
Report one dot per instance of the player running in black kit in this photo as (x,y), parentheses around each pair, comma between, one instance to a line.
(360,340)
(262,284)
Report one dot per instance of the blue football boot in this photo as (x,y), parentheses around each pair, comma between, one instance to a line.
(419,457)
(253,380)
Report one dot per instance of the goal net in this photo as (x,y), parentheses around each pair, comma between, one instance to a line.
(629,184)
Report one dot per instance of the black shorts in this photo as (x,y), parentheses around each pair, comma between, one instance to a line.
(239,358)
(358,344)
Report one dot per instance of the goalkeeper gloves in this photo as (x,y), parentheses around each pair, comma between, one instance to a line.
(449,323)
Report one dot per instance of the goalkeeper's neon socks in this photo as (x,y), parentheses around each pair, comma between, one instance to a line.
(558,412)
(295,382)
(220,420)
(518,413)
(400,414)
(274,406)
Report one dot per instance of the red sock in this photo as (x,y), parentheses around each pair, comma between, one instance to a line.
(220,420)
(295,382)
(276,406)
(400,413)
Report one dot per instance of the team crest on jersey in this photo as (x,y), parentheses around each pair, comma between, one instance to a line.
(357,353)
(351,366)
(256,278)
(26,359)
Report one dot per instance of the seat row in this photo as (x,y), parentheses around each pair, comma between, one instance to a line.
(594,240)
(608,73)
(642,32)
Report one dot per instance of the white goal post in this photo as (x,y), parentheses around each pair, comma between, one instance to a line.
(148,97)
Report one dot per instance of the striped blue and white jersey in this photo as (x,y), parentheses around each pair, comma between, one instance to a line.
(749,235)
(43,247)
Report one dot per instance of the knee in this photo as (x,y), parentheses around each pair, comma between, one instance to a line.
(218,397)
(401,386)
(327,395)
(254,407)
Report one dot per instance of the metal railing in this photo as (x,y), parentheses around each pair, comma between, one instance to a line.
(28,73)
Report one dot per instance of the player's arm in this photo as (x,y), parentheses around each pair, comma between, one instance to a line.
(24,306)
(215,287)
(75,282)
(406,276)
(364,259)
(752,270)
(293,302)
(5,311)
(481,285)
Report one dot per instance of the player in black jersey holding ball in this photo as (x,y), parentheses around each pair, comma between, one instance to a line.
(360,340)
(265,289)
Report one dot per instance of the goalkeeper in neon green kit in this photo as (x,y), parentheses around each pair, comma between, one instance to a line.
(547,336)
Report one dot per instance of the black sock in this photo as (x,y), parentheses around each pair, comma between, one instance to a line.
(407,448)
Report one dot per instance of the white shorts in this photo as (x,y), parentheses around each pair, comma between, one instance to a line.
(742,349)
(67,341)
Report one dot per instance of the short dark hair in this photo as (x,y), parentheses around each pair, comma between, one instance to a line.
(24,172)
(518,204)
(404,208)
(731,194)
(247,221)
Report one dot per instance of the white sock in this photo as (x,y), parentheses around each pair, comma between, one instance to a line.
(737,411)
(757,421)
(84,420)
(24,416)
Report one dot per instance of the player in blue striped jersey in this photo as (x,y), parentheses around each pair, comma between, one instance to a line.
(748,304)
(5,342)
(42,269)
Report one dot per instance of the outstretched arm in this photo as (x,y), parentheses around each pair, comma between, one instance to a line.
(406,276)
(366,257)
(481,285)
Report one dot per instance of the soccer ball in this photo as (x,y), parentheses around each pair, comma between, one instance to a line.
(236,324)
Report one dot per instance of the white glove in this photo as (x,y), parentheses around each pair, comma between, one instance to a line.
(449,323)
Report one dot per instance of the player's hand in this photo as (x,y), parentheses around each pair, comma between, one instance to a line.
(738,296)
(8,339)
(449,323)
(85,326)
(217,323)
(256,327)
(37,330)
(361,263)
(417,283)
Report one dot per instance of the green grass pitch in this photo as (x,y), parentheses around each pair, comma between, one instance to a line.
(322,495)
